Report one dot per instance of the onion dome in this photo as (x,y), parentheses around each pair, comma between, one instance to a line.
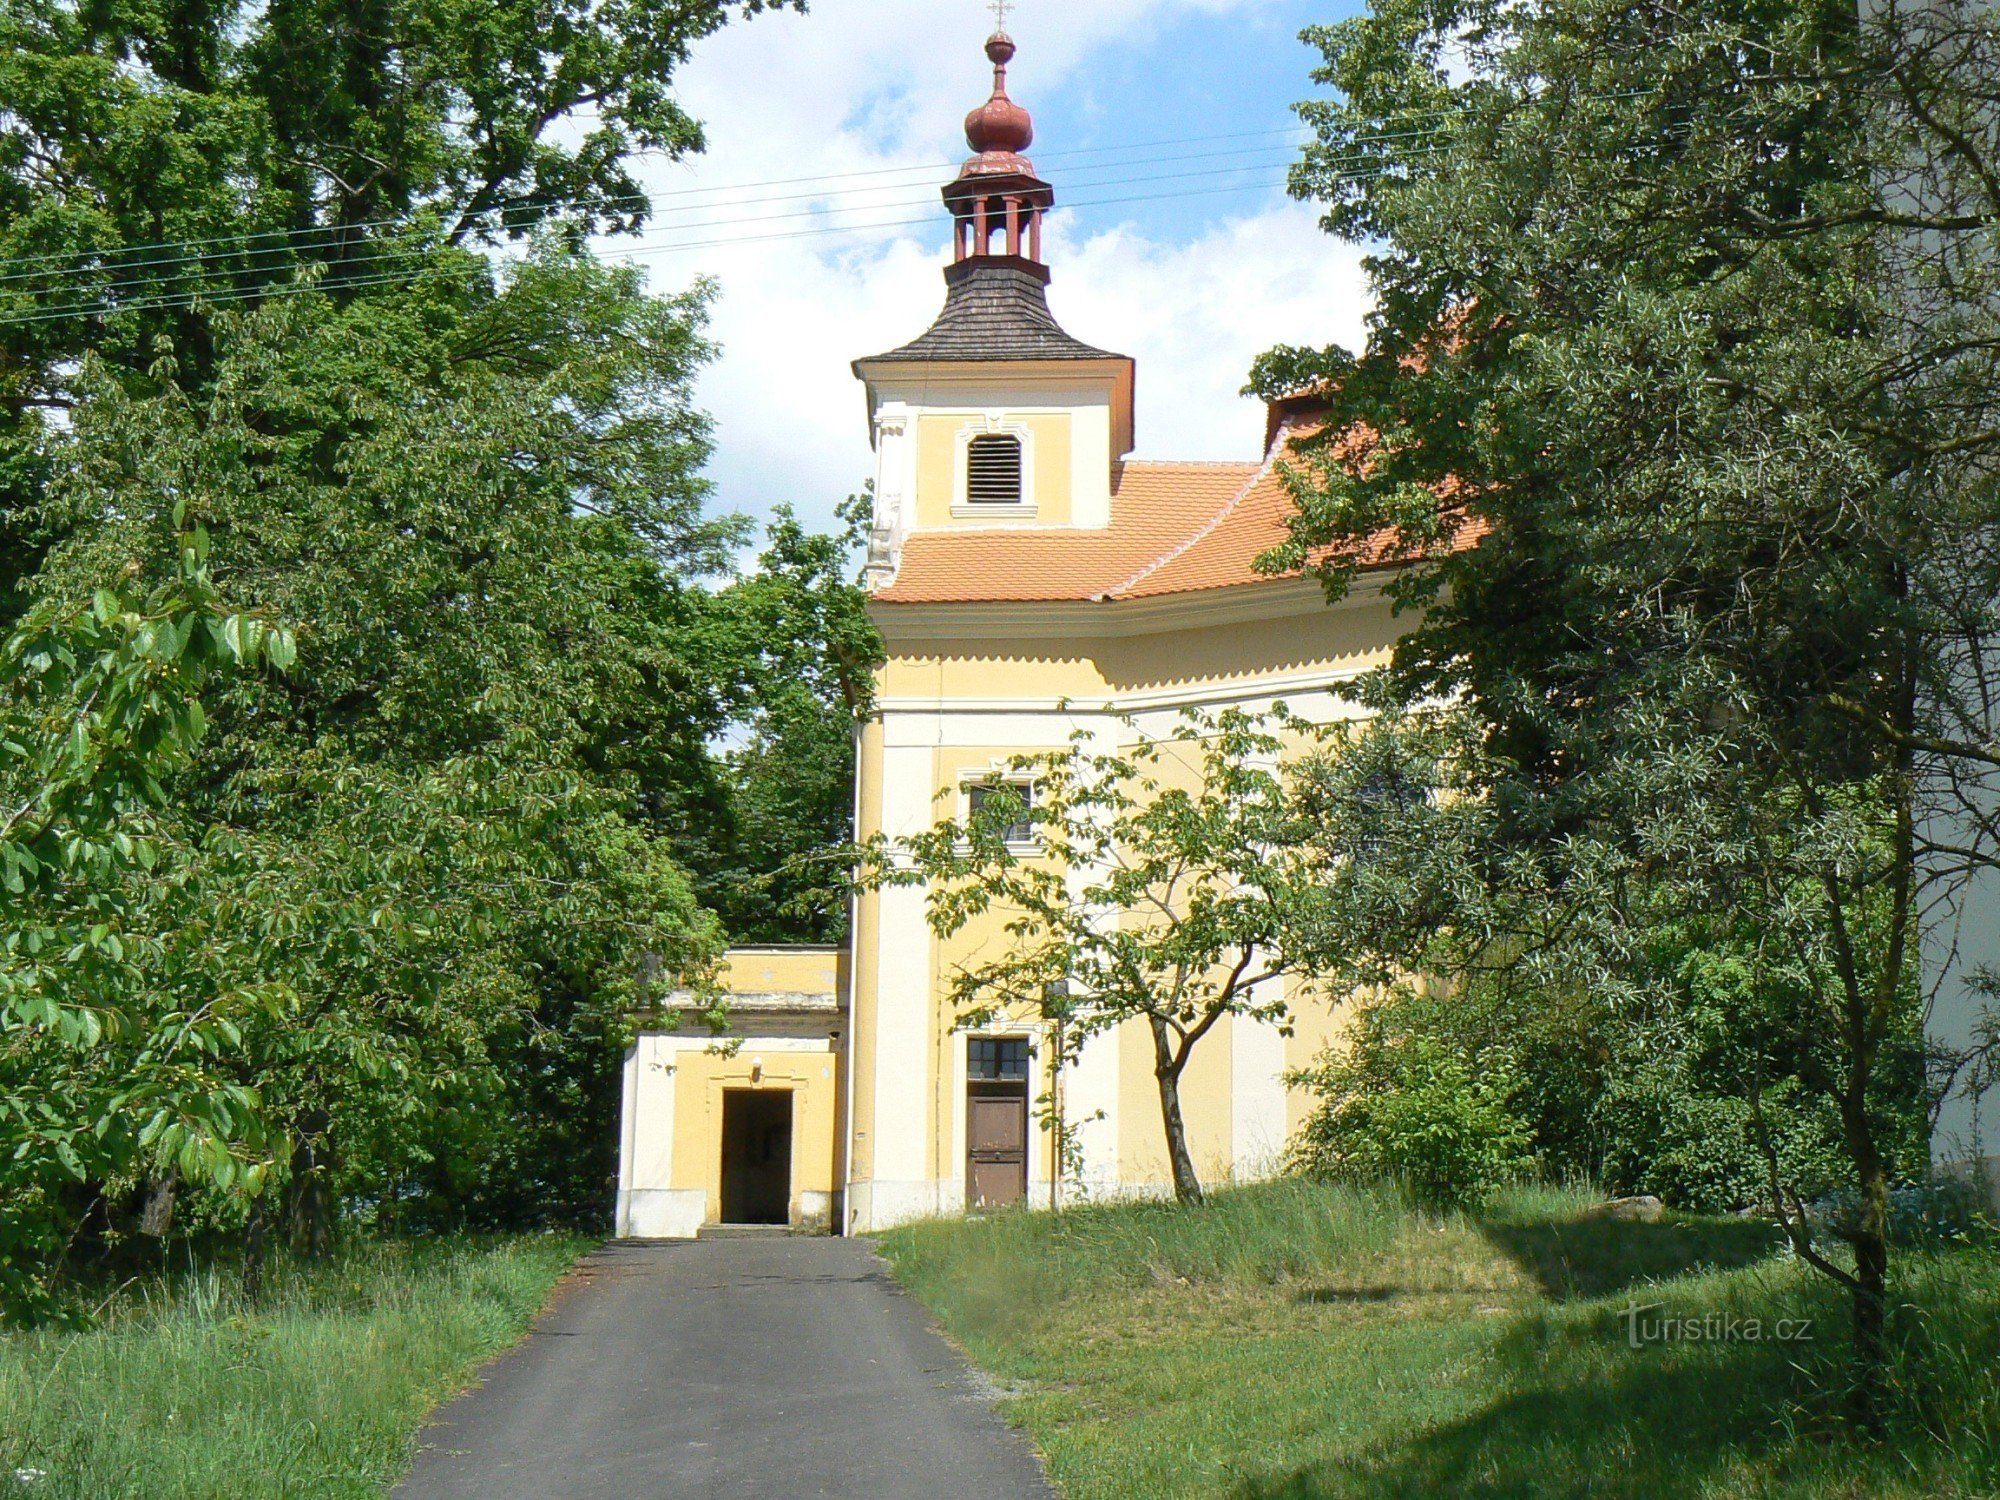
(1000,127)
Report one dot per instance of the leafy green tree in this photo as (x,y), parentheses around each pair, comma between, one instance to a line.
(481,504)
(161,163)
(1156,884)
(806,653)
(1688,313)
(124,993)
(242,283)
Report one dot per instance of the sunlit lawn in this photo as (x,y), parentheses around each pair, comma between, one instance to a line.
(1297,1340)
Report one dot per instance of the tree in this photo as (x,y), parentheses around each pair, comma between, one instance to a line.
(1162,881)
(481,504)
(806,652)
(159,164)
(242,284)
(1649,324)
(123,997)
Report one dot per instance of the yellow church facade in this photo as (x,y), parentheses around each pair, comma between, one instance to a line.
(1033,584)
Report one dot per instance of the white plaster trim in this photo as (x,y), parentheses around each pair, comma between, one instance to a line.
(992,424)
(879,1205)
(628,1122)
(996,771)
(884,1203)
(1048,730)
(1079,709)
(663,1214)
(646,1156)
(848,1032)
(747,1046)
(1256,1093)
(1085,619)
(1090,1105)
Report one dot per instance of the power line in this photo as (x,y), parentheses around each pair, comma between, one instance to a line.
(320,236)
(11,269)
(331,235)
(615,201)
(380,247)
(178,301)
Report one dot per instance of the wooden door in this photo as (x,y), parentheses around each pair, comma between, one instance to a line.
(996,1144)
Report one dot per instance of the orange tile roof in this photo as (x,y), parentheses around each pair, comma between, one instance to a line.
(1176,528)
(1154,506)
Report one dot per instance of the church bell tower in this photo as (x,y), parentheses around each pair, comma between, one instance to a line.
(995,418)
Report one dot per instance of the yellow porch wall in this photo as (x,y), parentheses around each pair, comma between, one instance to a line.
(1205,1098)
(793,971)
(812,1077)
(1316,1023)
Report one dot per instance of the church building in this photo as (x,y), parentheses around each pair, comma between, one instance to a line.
(1032,582)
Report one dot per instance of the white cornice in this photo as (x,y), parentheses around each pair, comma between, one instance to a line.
(1083,620)
(1179,696)
(931,374)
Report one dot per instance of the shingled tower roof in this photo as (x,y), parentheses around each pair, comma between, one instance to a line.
(996,308)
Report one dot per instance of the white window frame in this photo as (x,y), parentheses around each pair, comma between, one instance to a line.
(962,507)
(970,780)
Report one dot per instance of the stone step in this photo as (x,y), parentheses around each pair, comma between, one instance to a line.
(748,1232)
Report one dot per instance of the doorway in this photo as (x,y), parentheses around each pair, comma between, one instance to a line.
(996,1121)
(756,1156)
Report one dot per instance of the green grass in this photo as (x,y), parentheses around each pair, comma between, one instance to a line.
(180,1391)
(1295,1340)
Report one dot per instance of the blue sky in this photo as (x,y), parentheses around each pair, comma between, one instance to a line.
(1191,281)
(1234,75)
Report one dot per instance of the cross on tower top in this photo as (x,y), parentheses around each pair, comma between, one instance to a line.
(1000,10)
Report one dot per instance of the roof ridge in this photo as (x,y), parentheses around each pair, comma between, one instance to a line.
(1202,534)
(1190,463)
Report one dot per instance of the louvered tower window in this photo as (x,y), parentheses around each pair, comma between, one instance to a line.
(993,470)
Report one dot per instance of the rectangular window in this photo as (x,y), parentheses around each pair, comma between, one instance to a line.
(1021,796)
(993,470)
(996,1059)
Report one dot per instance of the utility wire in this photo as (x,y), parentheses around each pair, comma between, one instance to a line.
(13,269)
(177,301)
(318,236)
(373,248)
(331,235)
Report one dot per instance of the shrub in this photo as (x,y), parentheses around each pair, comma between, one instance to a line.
(1663,1134)
(1402,1106)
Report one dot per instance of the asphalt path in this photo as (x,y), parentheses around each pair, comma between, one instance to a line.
(766,1367)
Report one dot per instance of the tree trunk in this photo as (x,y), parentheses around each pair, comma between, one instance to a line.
(311,1197)
(1869,1236)
(1167,1069)
(156,1219)
(253,1255)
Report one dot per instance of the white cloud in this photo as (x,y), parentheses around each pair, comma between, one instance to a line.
(864,85)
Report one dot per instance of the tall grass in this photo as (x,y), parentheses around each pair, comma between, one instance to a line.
(1301,1340)
(184,1391)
